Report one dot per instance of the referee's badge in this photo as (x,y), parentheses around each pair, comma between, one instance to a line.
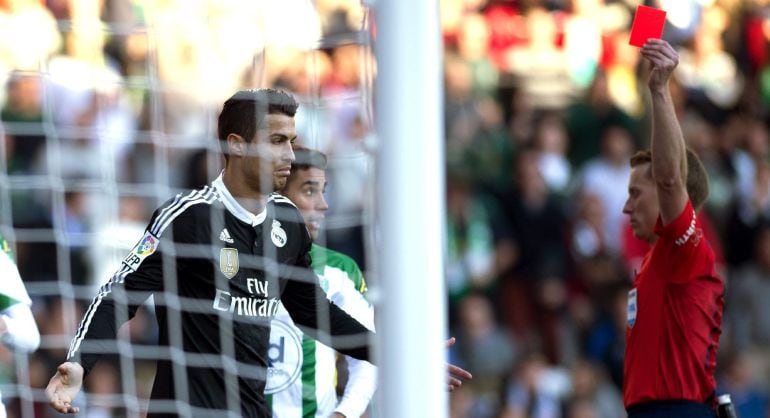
(632,308)
(278,235)
(228,262)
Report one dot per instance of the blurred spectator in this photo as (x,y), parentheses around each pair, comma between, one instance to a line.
(349,183)
(552,142)
(606,176)
(471,239)
(115,238)
(536,390)
(606,342)
(751,208)
(103,387)
(583,41)
(710,74)
(587,238)
(539,67)
(704,138)
(486,350)
(473,48)
(749,290)
(29,35)
(22,118)
(537,224)
(76,228)
(490,152)
(590,385)
(743,381)
(89,106)
(590,117)
(461,118)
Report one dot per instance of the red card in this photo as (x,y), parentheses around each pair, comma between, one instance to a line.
(648,23)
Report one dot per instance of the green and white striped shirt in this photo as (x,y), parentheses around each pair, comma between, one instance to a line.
(302,372)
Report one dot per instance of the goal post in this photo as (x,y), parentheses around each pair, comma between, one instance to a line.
(410,209)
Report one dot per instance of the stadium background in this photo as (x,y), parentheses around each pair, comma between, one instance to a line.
(109,107)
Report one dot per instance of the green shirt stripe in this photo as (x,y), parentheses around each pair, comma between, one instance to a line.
(309,401)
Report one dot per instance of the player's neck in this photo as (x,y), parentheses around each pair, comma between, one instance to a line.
(251,199)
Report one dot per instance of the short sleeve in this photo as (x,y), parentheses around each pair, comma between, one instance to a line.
(684,245)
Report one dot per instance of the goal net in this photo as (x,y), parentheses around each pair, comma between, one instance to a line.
(109,110)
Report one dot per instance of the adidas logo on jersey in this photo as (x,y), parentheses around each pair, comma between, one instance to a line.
(225,236)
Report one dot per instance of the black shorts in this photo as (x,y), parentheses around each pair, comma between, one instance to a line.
(671,409)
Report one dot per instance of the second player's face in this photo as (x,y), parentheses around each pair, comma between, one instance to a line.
(306,189)
(642,203)
(270,152)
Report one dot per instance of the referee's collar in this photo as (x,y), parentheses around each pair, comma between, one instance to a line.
(234,207)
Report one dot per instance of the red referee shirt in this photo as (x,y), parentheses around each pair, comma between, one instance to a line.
(674,317)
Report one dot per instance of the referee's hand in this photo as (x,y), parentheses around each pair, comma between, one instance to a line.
(64,386)
(663,59)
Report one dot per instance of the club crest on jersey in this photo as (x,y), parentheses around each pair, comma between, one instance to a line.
(284,357)
(278,235)
(228,262)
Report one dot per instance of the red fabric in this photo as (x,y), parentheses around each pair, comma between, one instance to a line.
(507,29)
(671,347)
(634,249)
(755,42)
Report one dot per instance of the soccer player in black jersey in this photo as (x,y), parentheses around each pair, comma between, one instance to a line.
(217,261)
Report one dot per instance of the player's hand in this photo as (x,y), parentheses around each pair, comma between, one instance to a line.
(663,59)
(337,415)
(64,386)
(456,374)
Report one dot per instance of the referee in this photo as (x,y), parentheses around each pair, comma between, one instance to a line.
(218,260)
(675,306)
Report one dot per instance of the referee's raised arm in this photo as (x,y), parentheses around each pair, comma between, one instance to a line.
(669,162)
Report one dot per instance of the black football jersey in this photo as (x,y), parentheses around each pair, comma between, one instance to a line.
(217,273)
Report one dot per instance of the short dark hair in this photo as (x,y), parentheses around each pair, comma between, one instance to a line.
(697,176)
(305,158)
(244,111)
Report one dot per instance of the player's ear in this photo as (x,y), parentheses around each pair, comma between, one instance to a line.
(236,145)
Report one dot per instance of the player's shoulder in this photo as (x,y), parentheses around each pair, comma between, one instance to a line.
(335,258)
(192,205)
(5,247)
(283,209)
(339,261)
(280,200)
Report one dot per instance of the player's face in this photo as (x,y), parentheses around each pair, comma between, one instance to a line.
(306,189)
(642,204)
(270,152)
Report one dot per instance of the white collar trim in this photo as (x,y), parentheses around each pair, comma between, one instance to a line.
(234,207)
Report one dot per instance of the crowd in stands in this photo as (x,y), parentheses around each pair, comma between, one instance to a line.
(109,108)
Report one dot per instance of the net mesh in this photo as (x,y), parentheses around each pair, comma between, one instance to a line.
(110,109)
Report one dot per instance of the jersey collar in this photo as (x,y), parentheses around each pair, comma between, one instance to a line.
(234,207)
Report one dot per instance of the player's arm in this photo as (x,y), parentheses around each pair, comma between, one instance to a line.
(669,159)
(362,375)
(18,329)
(139,275)
(316,316)
(97,332)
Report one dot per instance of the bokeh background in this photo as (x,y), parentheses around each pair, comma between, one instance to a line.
(109,107)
